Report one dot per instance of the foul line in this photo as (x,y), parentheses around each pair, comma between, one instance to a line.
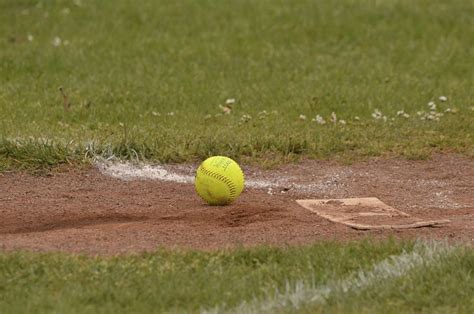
(300,294)
(133,171)
(128,171)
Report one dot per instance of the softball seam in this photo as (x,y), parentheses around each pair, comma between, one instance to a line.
(227,181)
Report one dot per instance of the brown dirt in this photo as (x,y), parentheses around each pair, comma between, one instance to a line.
(85,211)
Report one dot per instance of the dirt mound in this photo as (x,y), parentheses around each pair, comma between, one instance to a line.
(86,211)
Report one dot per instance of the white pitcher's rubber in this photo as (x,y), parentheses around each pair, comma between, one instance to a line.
(366,213)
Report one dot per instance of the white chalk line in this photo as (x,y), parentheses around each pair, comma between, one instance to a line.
(302,293)
(140,171)
(127,171)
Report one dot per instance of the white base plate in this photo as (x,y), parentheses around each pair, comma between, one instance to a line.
(365,214)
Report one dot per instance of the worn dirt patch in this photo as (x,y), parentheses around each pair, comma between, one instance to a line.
(86,211)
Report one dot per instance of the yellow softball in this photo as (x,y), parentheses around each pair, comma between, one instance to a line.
(219,180)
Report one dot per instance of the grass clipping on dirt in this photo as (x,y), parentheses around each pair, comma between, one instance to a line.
(419,276)
(269,80)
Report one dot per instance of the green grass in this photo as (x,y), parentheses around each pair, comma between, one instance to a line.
(179,281)
(128,64)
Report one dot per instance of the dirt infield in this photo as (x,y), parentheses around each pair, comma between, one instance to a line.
(86,211)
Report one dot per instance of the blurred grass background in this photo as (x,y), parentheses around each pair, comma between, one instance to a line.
(144,79)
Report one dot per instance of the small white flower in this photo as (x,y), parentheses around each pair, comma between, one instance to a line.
(357,118)
(30,37)
(226,109)
(432,105)
(342,122)
(207,117)
(432,116)
(377,114)
(170,113)
(302,117)
(319,120)
(333,117)
(443,98)
(262,114)
(57,42)
(402,113)
(156,114)
(245,118)
(230,101)
(121,124)
(451,110)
